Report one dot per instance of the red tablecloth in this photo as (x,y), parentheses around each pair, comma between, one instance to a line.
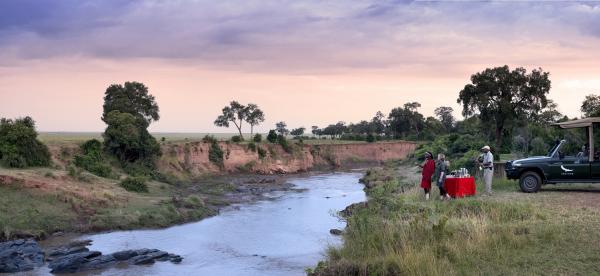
(460,187)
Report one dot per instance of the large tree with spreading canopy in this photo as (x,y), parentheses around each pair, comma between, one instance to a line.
(503,97)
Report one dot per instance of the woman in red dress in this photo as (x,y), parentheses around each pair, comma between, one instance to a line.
(428,170)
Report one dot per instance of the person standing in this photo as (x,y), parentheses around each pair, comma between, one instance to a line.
(428,167)
(441,171)
(488,169)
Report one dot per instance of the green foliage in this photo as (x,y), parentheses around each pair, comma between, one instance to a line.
(132,98)
(128,111)
(281,128)
(298,131)
(505,98)
(262,153)
(134,184)
(236,139)
(252,146)
(272,137)
(257,138)
(460,150)
(284,144)
(215,154)
(19,146)
(371,138)
(209,139)
(128,140)
(93,159)
(591,106)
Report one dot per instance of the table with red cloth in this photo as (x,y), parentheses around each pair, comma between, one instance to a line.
(460,186)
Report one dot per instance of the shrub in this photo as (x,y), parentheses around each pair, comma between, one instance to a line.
(252,146)
(215,154)
(93,159)
(257,138)
(135,184)
(272,137)
(370,138)
(209,139)
(236,139)
(262,153)
(284,143)
(19,146)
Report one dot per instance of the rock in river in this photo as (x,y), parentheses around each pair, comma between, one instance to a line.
(20,255)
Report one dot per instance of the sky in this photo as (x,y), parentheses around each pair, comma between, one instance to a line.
(307,63)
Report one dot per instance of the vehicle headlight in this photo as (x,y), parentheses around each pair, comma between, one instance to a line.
(517,164)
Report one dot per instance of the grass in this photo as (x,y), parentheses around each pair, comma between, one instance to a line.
(24,213)
(510,233)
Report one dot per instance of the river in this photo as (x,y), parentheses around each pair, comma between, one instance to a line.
(281,236)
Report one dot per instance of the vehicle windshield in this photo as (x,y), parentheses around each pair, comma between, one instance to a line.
(567,148)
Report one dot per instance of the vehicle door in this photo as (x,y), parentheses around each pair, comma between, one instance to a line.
(570,168)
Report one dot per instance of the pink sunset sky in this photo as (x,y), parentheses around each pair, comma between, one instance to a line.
(303,62)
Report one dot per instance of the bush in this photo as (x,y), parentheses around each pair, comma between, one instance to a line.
(215,154)
(93,159)
(209,139)
(252,146)
(236,139)
(135,184)
(262,153)
(19,146)
(370,138)
(257,138)
(284,143)
(272,137)
(129,140)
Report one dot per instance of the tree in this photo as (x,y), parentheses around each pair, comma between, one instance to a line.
(132,98)
(503,97)
(298,131)
(281,128)
(19,146)
(549,115)
(404,120)
(235,113)
(444,114)
(316,131)
(254,116)
(128,111)
(127,140)
(378,123)
(591,106)
(272,136)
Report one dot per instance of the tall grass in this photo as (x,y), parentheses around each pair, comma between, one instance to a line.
(400,233)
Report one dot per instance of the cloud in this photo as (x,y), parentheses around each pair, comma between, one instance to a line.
(298,36)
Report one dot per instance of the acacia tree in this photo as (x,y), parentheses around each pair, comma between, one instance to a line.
(235,113)
(444,114)
(281,128)
(591,106)
(298,131)
(501,96)
(254,116)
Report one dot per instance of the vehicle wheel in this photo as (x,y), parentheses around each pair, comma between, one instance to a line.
(530,182)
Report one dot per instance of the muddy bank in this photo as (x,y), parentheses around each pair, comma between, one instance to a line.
(192,159)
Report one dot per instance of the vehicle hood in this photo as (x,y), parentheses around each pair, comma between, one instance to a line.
(534,159)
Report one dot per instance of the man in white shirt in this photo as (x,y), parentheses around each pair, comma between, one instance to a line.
(488,169)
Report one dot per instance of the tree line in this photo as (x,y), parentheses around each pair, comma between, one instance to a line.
(508,107)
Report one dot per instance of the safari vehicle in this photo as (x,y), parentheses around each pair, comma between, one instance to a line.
(558,166)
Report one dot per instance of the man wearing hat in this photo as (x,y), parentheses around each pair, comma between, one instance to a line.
(488,169)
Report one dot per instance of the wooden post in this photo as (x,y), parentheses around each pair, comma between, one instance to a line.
(591,141)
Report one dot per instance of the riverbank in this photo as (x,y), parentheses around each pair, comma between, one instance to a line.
(39,202)
(398,232)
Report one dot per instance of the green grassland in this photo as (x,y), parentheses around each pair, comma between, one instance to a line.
(554,232)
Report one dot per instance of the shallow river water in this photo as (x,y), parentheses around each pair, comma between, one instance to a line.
(282,236)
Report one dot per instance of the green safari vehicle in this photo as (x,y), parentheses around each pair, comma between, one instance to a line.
(558,166)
